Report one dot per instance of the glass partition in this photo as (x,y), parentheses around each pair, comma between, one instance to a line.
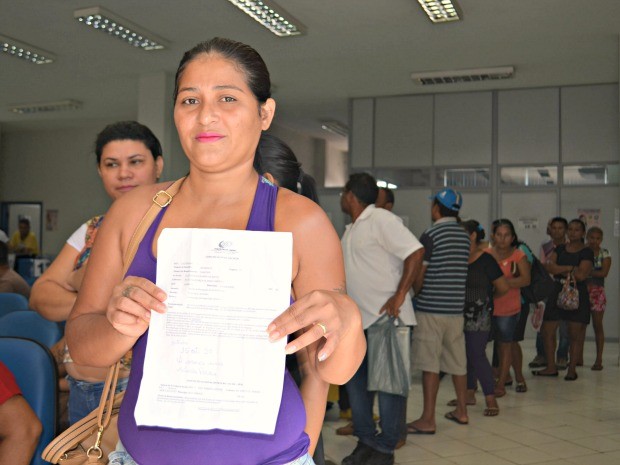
(529,176)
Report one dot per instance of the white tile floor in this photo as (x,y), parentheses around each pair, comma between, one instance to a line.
(555,422)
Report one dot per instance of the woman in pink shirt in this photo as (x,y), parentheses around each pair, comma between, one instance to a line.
(507,308)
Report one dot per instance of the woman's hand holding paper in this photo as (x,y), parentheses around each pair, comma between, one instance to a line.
(129,309)
(323,315)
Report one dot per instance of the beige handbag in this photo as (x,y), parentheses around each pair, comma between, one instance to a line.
(84,442)
(90,440)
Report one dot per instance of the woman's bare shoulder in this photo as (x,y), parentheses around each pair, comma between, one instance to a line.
(294,211)
(127,211)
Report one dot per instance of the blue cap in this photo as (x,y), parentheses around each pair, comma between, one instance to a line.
(449,198)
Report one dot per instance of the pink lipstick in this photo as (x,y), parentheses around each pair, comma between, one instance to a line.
(209,137)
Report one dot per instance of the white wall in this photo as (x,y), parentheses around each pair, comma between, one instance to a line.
(57,168)
(336,166)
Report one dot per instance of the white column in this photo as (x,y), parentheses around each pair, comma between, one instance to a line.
(155,111)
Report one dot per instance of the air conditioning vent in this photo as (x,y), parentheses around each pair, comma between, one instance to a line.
(463,75)
(44,107)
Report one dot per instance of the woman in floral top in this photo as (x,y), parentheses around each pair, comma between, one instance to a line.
(128,155)
(596,289)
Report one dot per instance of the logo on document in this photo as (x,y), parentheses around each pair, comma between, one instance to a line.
(225,249)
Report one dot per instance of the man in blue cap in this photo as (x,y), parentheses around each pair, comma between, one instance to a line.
(438,340)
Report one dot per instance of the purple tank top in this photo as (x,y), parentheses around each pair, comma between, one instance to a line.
(164,446)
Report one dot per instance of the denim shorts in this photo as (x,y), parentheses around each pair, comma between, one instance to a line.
(121,457)
(506,327)
(84,397)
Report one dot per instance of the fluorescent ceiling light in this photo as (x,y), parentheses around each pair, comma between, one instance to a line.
(440,11)
(28,108)
(106,21)
(335,127)
(24,51)
(463,75)
(272,16)
(385,184)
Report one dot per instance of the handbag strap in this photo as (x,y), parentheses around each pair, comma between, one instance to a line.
(160,200)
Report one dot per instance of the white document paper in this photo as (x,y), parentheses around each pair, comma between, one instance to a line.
(209,363)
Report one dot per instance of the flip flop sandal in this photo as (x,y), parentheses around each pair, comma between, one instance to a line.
(491,411)
(453,403)
(500,393)
(521,387)
(413,430)
(452,417)
(596,367)
(541,373)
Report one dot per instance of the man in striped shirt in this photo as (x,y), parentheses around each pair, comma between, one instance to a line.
(438,340)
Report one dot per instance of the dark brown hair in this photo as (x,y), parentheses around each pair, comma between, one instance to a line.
(243,55)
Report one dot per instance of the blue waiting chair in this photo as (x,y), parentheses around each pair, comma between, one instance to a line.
(35,372)
(30,325)
(11,302)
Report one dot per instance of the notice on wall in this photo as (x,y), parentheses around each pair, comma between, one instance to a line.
(590,216)
(528,223)
(51,220)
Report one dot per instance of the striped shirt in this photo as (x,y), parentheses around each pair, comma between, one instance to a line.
(446,251)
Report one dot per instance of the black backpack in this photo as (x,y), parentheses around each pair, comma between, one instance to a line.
(541,285)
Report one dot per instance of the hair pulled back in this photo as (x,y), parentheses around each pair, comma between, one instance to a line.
(274,156)
(244,56)
(472,226)
(506,222)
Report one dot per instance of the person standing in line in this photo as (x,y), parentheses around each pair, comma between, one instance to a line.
(385,199)
(382,258)
(3,237)
(575,259)
(277,163)
(485,280)
(128,155)
(10,281)
(557,232)
(438,340)
(596,289)
(507,308)
(23,241)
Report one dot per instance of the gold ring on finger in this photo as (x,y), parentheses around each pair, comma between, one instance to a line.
(127,291)
(323,327)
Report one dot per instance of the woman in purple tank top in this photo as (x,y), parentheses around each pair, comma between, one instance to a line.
(222,104)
